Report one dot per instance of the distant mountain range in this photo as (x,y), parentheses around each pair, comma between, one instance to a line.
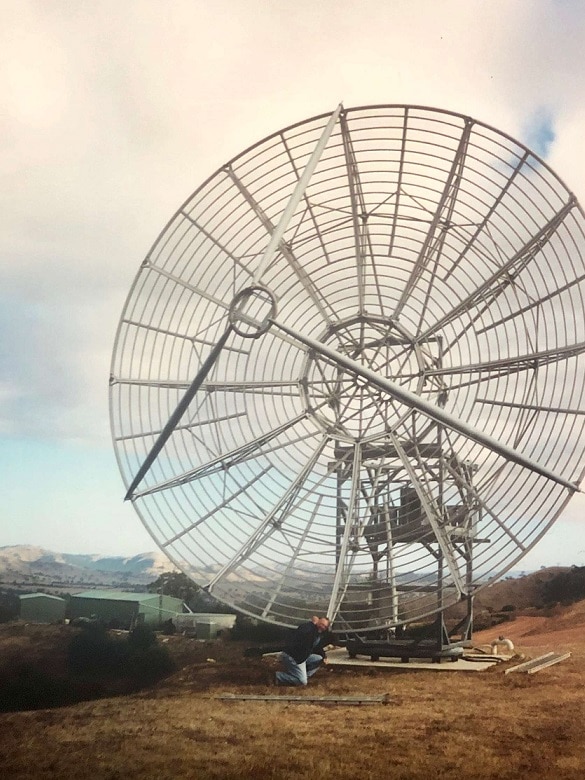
(24,564)
(26,567)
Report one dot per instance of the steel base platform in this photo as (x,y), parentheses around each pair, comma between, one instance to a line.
(405,649)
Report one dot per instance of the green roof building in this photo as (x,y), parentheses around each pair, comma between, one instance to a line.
(42,608)
(123,610)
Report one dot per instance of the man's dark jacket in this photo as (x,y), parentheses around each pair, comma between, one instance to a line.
(301,642)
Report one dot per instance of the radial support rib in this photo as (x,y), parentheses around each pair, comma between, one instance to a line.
(398,185)
(434,239)
(216,509)
(170,384)
(283,248)
(527,362)
(499,280)
(472,240)
(534,304)
(358,210)
(292,559)
(182,283)
(285,387)
(186,427)
(224,461)
(342,575)
(277,243)
(271,521)
(530,407)
(236,260)
(277,234)
(178,413)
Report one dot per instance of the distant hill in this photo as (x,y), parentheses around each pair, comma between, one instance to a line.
(30,567)
(520,592)
(27,565)
(511,595)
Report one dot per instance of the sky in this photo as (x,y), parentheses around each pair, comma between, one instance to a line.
(113,113)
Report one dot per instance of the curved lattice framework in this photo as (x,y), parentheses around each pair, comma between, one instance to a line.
(383,313)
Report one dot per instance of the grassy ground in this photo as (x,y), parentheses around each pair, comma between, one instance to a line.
(436,725)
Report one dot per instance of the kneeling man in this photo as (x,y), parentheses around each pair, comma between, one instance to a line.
(304,652)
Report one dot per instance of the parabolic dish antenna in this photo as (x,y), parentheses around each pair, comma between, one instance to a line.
(349,375)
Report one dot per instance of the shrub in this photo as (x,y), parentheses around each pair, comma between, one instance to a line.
(247,629)
(93,652)
(141,637)
(9,607)
(96,664)
(149,664)
(26,687)
(566,587)
(139,657)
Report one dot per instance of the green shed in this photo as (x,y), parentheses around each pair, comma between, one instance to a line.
(123,610)
(42,608)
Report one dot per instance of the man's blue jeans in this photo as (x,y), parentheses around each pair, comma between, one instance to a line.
(297,674)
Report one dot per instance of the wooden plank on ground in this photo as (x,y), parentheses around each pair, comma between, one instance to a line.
(536,664)
(353,700)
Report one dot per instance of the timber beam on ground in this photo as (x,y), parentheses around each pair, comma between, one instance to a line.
(536,664)
(351,700)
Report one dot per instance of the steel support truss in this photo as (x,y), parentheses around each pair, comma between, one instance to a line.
(392,509)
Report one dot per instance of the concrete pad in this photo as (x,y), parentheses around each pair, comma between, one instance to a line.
(340,657)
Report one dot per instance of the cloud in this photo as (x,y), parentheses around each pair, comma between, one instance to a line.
(115,112)
(539,134)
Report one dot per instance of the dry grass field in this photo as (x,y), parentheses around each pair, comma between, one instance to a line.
(461,725)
